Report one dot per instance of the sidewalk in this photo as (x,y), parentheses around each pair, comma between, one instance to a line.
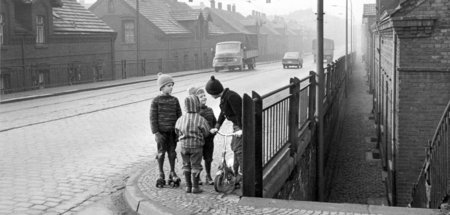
(56,91)
(355,152)
(363,193)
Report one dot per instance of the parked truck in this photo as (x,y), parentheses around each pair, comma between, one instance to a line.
(234,55)
(328,50)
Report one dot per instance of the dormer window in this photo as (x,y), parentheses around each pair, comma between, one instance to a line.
(40,30)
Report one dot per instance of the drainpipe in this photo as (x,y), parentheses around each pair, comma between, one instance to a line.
(113,69)
(394,129)
(137,38)
(23,59)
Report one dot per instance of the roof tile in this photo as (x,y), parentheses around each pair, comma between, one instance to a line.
(72,17)
(370,10)
(159,12)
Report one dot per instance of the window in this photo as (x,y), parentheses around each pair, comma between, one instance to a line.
(128,32)
(40,30)
(1,29)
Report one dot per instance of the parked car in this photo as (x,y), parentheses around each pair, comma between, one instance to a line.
(292,59)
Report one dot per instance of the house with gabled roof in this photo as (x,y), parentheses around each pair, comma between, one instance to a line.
(293,39)
(271,43)
(231,23)
(47,43)
(161,35)
(411,89)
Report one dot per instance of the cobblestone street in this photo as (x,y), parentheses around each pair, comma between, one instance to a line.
(62,165)
(60,154)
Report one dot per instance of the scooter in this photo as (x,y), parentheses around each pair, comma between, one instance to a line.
(224,181)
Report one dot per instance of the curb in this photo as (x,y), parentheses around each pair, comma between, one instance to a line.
(140,203)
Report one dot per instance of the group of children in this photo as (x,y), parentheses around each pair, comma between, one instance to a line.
(194,130)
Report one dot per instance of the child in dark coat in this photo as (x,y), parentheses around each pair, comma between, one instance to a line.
(164,112)
(192,129)
(231,109)
(207,113)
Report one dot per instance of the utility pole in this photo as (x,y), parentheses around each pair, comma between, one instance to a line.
(137,38)
(351,27)
(321,85)
(346,48)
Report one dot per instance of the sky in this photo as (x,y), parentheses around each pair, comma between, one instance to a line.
(284,7)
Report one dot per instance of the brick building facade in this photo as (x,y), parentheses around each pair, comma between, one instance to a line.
(47,43)
(410,85)
(168,36)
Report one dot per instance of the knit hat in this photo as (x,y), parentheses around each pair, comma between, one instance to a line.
(213,86)
(195,91)
(192,104)
(164,79)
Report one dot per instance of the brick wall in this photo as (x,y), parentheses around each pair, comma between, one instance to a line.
(433,49)
(411,87)
(302,182)
(423,96)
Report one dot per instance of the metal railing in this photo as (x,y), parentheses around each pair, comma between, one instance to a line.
(273,122)
(36,76)
(277,116)
(432,186)
(335,78)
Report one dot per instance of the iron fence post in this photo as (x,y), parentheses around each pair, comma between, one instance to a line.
(258,125)
(312,96)
(248,130)
(294,109)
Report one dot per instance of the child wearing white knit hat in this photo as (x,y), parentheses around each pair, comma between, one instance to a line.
(164,112)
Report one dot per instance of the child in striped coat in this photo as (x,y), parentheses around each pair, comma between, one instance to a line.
(191,130)
(207,113)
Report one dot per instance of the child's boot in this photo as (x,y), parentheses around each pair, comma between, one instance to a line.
(208,179)
(196,179)
(187,177)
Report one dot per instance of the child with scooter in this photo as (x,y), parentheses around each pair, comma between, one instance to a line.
(231,109)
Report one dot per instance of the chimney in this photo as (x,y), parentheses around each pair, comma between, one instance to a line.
(219,5)
(233,8)
(228,7)
(213,4)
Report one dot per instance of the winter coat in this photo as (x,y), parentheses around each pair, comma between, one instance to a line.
(192,128)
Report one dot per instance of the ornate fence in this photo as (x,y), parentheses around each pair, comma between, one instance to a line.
(432,186)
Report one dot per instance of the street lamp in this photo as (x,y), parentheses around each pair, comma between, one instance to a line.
(320,97)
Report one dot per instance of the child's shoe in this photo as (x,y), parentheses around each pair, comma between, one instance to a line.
(160,182)
(173,180)
(209,180)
